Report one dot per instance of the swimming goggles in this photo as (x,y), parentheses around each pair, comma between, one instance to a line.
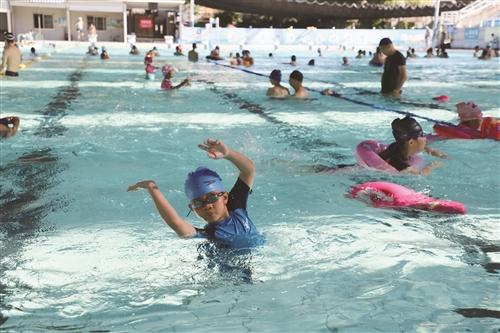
(211,198)
(417,134)
(413,134)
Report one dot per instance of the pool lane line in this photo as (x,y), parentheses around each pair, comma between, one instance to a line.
(284,126)
(371,105)
(361,91)
(244,104)
(57,107)
(25,206)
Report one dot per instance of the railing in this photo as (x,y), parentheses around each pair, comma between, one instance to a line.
(452,18)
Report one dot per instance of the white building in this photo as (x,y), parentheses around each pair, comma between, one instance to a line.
(113,19)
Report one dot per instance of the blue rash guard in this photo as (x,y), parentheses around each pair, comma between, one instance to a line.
(237,230)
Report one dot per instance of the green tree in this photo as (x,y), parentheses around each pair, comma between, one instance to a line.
(227,17)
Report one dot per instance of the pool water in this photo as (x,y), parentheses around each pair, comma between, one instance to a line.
(79,253)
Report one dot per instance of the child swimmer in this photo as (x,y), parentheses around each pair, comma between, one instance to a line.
(228,223)
(410,140)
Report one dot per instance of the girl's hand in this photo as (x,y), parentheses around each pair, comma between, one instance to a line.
(436,153)
(145,184)
(215,149)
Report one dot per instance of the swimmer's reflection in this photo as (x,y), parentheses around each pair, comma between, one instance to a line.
(230,264)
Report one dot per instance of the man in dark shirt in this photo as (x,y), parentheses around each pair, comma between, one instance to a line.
(395,73)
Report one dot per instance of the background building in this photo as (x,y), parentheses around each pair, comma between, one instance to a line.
(113,19)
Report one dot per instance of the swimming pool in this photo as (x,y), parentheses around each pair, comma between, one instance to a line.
(79,253)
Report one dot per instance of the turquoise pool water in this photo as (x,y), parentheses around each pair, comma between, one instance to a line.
(79,253)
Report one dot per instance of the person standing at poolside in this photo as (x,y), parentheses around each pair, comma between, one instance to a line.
(494,42)
(395,74)
(92,30)
(193,55)
(79,29)
(11,58)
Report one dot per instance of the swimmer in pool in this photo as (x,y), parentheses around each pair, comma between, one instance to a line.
(378,58)
(277,90)
(104,54)
(168,73)
(134,50)
(410,140)
(8,126)
(471,116)
(215,54)
(193,55)
(236,60)
(150,71)
(178,51)
(148,59)
(11,58)
(429,53)
(293,61)
(246,60)
(228,223)
(295,81)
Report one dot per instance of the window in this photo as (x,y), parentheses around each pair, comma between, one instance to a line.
(43,21)
(98,22)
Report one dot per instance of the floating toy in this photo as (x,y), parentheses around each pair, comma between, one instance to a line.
(367,156)
(390,195)
(441,98)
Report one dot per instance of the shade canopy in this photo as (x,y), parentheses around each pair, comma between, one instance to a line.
(326,9)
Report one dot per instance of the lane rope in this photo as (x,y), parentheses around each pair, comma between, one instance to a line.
(352,100)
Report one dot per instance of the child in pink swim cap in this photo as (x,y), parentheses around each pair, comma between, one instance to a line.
(168,73)
(471,117)
(467,112)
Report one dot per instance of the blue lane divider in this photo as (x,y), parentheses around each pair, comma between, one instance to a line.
(362,91)
(371,105)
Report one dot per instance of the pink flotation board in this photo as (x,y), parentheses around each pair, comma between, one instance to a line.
(390,195)
(367,156)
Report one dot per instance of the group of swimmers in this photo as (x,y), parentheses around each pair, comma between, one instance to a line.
(225,212)
(168,71)
(93,50)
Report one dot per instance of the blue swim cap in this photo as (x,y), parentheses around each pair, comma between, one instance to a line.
(202,181)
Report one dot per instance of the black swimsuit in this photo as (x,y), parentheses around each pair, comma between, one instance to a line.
(10,73)
(5,121)
(394,156)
